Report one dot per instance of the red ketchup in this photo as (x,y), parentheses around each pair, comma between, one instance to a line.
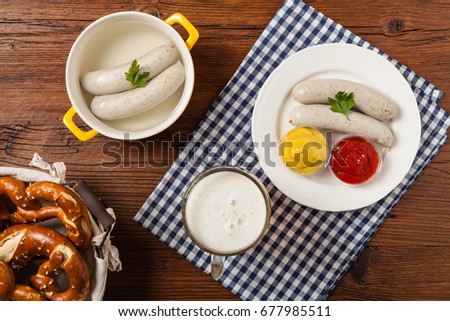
(354,160)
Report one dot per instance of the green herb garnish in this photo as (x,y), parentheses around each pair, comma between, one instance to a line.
(135,78)
(342,103)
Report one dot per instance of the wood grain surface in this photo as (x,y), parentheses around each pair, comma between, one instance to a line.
(407,259)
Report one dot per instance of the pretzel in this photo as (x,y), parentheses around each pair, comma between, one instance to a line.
(16,191)
(69,208)
(20,243)
(17,292)
(6,281)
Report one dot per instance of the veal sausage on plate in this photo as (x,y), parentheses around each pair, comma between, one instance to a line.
(112,80)
(321,116)
(367,100)
(139,100)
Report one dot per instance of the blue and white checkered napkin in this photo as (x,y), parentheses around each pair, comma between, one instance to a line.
(305,252)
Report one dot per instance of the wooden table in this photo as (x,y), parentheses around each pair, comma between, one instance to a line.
(408,258)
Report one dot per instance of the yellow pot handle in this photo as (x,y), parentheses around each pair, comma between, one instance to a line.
(182,20)
(80,134)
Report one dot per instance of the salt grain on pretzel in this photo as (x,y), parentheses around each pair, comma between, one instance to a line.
(20,243)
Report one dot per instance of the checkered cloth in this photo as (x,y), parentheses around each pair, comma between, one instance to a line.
(305,252)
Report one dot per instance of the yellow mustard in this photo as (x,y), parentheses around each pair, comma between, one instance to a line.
(304,150)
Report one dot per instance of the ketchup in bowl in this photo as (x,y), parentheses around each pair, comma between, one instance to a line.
(354,160)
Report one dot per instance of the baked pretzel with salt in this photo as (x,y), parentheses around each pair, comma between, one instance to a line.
(7,281)
(20,243)
(68,207)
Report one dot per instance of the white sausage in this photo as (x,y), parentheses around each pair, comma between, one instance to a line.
(139,100)
(367,100)
(112,80)
(321,116)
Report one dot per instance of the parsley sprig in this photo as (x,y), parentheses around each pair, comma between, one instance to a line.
(342,103)
(135,78)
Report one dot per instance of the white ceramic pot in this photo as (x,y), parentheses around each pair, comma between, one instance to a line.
(113,40)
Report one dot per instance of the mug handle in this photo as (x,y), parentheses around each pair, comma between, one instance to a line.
(186,24)
(70,124)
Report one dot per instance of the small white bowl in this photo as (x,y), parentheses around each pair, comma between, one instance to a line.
(115,39)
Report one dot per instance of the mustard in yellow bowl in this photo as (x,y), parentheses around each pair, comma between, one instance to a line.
(304,150)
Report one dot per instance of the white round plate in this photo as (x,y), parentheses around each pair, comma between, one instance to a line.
(274,103)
